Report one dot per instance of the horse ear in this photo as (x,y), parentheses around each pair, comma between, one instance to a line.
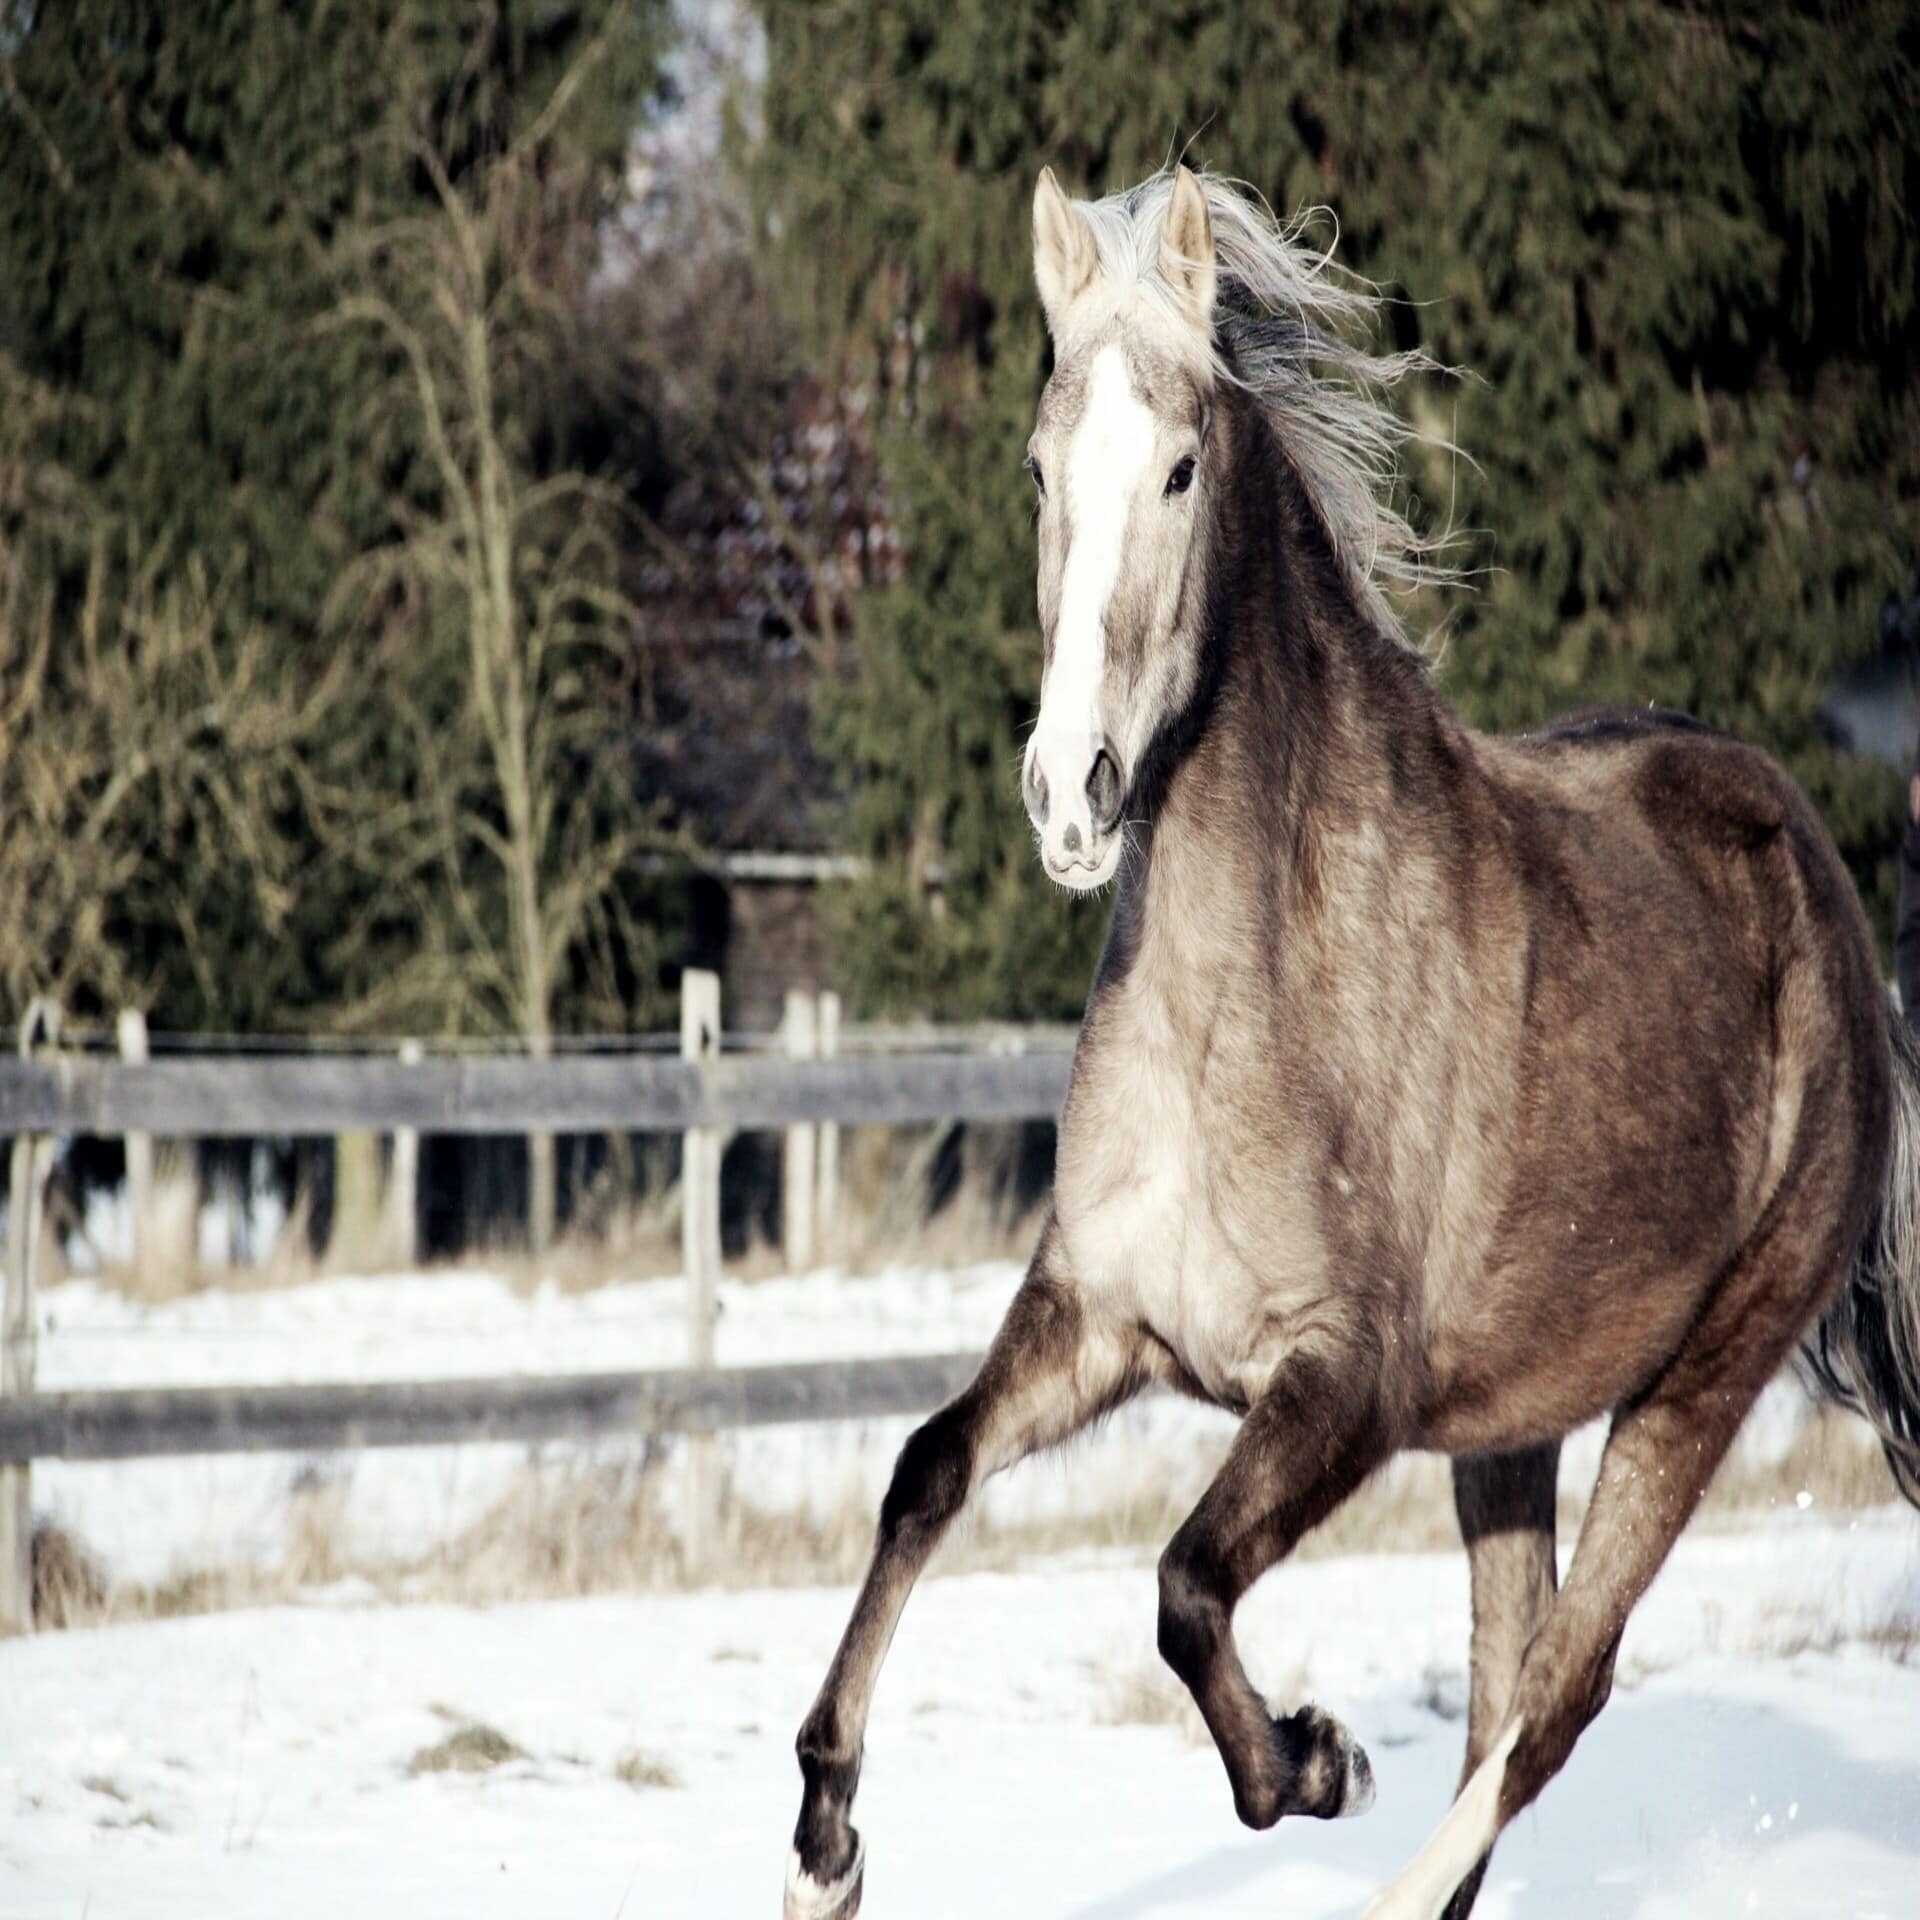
(1186,246)
(1064,256)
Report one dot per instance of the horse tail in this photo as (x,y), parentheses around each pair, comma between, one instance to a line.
(1865,1351)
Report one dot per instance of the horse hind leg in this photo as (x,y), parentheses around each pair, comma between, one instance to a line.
(1506,1506)
(1661,1454)
(1657,1462)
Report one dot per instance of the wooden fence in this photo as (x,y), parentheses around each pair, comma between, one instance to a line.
(702,1094)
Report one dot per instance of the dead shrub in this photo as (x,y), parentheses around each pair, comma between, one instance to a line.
(69,1588)
(472,1747)
(643,1771)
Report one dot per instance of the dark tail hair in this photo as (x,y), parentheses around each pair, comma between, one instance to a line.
(1865,1352)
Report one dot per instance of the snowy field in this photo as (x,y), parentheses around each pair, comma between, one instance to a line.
(1028,1755)
(1021,1761)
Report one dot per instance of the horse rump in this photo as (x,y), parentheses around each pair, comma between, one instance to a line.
(1865,1350)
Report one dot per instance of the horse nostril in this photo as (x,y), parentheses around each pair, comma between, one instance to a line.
(1104,791)
(1036,793)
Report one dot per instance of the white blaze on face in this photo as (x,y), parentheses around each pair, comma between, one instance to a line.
(1110,450)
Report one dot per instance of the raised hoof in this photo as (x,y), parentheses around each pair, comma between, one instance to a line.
(810,1899)
(1335,1780)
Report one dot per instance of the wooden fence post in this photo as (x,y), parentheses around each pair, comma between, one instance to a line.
(800,1031)
(139,1146)
(700,1249)
(32,1162)
(829,1208)
(403,1182)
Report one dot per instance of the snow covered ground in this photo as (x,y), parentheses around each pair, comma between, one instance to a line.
(1028,1755)
(1020,1760)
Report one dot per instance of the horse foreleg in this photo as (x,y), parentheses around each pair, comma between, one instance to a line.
(1053,1367)
(1310,1440)
(1506,1507)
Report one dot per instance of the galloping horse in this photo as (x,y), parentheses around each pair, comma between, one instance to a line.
(1435,1090)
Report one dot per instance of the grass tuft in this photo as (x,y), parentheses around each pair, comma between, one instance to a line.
(472,1747)
(69,1588)
(1787,1633)
(642,1770)
(1443,1693)
(1149,1696)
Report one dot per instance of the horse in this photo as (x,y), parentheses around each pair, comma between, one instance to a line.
(1436,1089)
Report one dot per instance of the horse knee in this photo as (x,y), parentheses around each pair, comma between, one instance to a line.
(822,1744)
(930,1481)
(1192,1618)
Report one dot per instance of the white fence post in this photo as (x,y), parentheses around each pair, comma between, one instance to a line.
(700,1248)
(32,1162)
(403,1182)
(139,1146)
(800,1031)
(828,1222)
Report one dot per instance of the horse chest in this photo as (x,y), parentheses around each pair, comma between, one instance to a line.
(1144,1200)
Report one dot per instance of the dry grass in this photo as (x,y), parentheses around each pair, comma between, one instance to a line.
(1834,1461)
(145,1817)
(934,1196)
(472,1747)
(1408,1508)
(169,1265)
(644,1771)
(1146,1694)
(919,1196)
(70,1588)
(1443,1693)
(564,1531)
(122,1815)
(1786,1633)
(1149,1696)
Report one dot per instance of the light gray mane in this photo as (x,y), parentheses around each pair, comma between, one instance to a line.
(1289,328)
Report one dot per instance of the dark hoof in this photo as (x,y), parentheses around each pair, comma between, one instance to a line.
(835,1899)
(1314,1766)
(1335,1777)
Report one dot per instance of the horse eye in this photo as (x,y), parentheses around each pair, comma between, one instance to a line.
(1039,478)
(1181,478)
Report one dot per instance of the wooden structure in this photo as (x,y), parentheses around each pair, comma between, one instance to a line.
(701,1094)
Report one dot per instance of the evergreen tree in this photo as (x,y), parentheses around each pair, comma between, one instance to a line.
(1672,248)
(184,191)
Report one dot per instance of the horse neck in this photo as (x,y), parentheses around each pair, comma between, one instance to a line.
(1314,723)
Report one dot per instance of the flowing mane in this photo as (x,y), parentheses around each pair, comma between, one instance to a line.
(1291,328)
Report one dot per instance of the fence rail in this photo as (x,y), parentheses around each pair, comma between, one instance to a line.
(703,1094)
(210,1098)
(151,1423)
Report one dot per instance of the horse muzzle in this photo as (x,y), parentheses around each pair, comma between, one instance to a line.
(1074,791)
